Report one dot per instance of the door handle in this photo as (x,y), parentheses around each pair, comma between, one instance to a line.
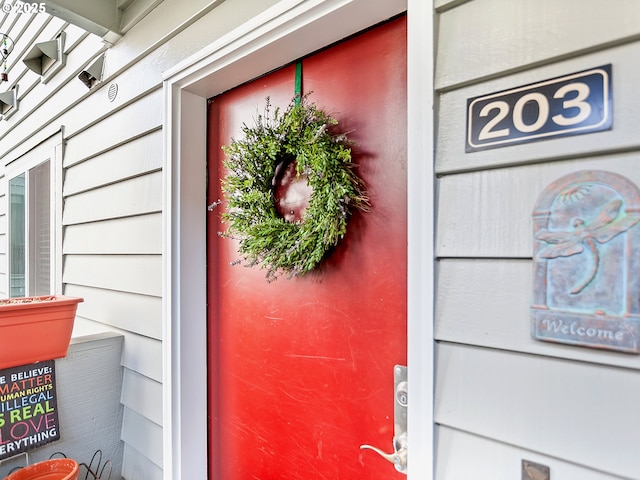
(400,403)
(398,457)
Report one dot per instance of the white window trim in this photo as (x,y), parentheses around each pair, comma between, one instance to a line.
(50,149)
(288,30)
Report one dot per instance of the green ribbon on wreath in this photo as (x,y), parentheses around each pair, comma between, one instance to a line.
(298,83)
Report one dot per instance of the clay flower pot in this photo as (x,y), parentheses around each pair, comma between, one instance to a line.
(33,329)
(54,469)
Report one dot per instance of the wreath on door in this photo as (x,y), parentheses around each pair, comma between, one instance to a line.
(303,139)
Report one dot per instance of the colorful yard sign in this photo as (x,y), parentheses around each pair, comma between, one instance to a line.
(28,408)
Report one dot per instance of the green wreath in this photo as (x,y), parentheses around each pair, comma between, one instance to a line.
(305,133)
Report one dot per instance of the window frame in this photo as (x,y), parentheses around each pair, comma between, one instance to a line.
(50,150)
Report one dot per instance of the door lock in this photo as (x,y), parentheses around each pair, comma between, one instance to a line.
(400,403)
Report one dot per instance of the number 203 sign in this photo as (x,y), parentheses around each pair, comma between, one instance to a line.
(568,105)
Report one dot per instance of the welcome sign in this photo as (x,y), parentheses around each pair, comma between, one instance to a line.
(28,408)
(586,288)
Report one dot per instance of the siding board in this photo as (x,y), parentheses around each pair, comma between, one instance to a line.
(142,395)
(136,466)
(74,37)
(132,159)
(451,156)
(488,213)
(136,119)
(461,455)
(558,408)
(137,196)
(486,37)
(143,435)
(139,314)
(485,302)
(143,355)
(140,354)
(125,273)
(132,235)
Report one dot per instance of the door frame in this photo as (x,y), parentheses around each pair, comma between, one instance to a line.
(286,31)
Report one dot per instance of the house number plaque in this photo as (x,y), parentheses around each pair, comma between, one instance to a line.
(586,288)
(569,105)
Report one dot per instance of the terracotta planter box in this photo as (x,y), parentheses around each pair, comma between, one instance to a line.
(33,329)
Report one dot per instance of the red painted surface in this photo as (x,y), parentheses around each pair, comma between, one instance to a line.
(301,370)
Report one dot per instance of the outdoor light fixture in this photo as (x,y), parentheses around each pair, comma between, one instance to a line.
(93,73)
(9,101)
(46,58)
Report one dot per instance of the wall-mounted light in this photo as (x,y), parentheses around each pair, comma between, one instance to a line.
(46,58)
(9,101)
(93,73)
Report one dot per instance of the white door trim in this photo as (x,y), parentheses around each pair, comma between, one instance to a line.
(283,33)
(421,233)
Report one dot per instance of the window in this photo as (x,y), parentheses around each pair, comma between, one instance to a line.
(30,232)
(34,222)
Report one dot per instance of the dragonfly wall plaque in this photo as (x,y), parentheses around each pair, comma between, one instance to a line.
(586,290)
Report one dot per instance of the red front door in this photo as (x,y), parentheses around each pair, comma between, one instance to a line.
(301,370)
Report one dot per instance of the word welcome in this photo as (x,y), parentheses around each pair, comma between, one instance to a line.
(575,329)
